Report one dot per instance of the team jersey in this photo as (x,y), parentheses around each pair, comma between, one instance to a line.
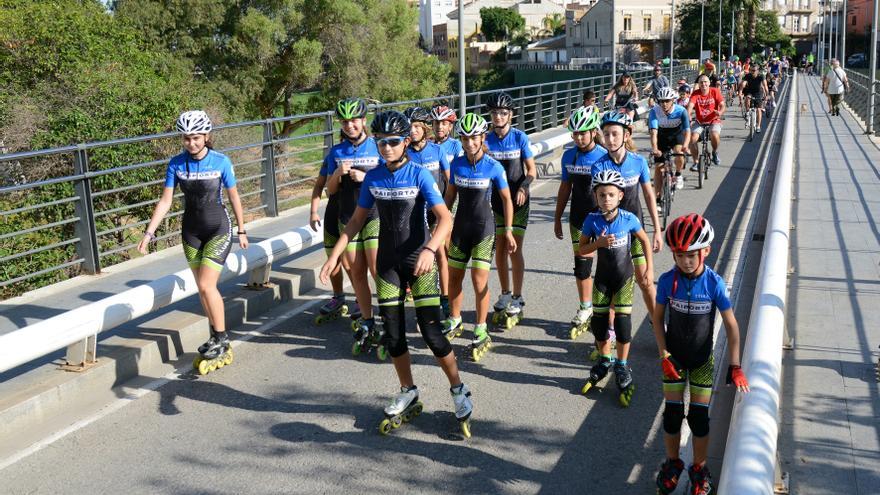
(201,181)
(774,68)
(614,263)
(433,159)
(511,151)
(400,198)
(657,83)
(475,185)
(705,106)
(634,170)
(452,148)
(576,168)
(690,313)
(675,121)
(753,85)
(364,157)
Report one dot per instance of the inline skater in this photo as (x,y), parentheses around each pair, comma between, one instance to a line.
(617,128)
(206,230)
(692,292)
(400,191)
(444,119)
(707,106)
(657,82)
(670,129)
(430,156)
(625,94)
(754,87)
(474,178)
(611,231)
(576,181)
(347,163)
(512,149)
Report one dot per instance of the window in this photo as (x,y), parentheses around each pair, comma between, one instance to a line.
(646,24)
(796,23)
(595,29)
(805,23)
(853,21)
(667,23)
(781,21)
(588,30)
(627,23)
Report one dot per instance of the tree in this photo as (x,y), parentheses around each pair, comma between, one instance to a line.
(500,24)
(766,33)
(554,25)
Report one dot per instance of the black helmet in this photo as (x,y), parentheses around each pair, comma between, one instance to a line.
(500,100)
(418,114)
(351,108)
(392,123)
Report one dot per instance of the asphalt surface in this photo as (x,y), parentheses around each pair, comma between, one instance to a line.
(296,413)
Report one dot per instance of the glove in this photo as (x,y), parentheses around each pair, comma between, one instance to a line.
(736,376)
(670,370)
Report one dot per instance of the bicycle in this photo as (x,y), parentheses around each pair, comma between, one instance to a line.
(705,157)
(752,116)
(667,189)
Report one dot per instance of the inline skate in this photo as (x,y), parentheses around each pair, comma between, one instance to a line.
(461,397)
(402,409)
(334,308)
(499,310)
(594,354)
(482,342)
(701,480)
(354,312)
(214,354)
(511,315)
(667,478)
(580,323)
(597,373)
(625,384)
(368,335)
(452,328)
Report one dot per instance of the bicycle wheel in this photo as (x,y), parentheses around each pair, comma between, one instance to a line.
(750,124)
(701,166)
(667,201)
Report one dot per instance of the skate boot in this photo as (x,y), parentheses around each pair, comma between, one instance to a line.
(597,373)
(461,397)
(481,343)
(332,309)
(368,335)
(444,306)
(512,314)
(402,409)
(667,478)
(624,378)
(701,480)
(581,322)
(500,308)
(214,354)
(452,327)
(594,354)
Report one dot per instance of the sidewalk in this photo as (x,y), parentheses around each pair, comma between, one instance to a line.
(830,420)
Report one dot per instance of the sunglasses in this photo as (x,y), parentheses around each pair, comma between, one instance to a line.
(503,113)
(392,141)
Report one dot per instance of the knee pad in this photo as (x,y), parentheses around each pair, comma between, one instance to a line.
(395,329)
(673,415)
(599,326)
(582,267)
(430,325)
(698,419)
(623,328)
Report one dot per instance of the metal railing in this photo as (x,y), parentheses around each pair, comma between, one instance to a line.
(859,97)
(89,203)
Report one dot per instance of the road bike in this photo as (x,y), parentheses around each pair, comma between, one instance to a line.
(752,116)
(667,187)
(705,157)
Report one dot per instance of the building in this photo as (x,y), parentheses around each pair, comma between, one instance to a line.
(532,11)
(641,29)
(431,14)
(548,51)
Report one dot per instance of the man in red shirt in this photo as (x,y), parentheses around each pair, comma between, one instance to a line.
(707,105)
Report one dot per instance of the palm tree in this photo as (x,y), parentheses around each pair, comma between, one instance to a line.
(751,8)
(554,25)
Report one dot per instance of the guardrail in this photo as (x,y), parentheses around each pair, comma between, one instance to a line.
(749,464)
(90,206)
(859,98)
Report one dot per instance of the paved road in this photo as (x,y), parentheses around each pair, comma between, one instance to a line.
(297,414)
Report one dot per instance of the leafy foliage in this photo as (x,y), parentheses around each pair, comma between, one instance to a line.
(500,24)
(766,33)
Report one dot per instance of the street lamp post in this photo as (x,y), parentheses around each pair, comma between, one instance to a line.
(702,21)
(843,38)
(732,32)
(821,47)
(872,68)
(671,39)
(462,92)
(718,54)
(831,33)
(613,47)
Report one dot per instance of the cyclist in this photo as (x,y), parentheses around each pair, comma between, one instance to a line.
(400,191)
(732,80)
(670,129)
(474,178)
(754,87)
(430,156)
(576,180)
(707,105)
(683,321)
(655,84)
(625,94)
(443,120)
(512,149)
(347,163)
(206,231)
(617,128)
(771,90)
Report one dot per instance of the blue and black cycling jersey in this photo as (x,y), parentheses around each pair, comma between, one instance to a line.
(674,122)
(690,313)
(451,148)
(614,265)
(476,184)
(577,169)
(511,151)
(433,159)
(634,170)
(364,157)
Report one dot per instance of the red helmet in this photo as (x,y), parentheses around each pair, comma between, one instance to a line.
(442,112)
(689,233)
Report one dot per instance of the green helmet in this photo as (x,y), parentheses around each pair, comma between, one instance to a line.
(584,119)
(471,124)
(351,108)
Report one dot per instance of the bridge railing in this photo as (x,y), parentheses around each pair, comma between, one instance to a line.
(859,97)
(73,210)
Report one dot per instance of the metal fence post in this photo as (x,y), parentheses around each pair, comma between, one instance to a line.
(328,129)
(477,104)
(521,110)
(87,247)
(554,118)
(539,109)
(269,194)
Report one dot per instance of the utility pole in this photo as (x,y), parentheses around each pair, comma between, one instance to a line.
(732,32)
(671,40)
(843,38)
(462,93)
(614,46)
(821,47)
(718,53)
(702,22)
(873,68)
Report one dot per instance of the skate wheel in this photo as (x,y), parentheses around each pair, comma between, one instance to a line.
(385,427)
(318,320)
(228,358)
(509,322)
(382,353)
(396,421)
(196,362)
(356,349)
(466,428)
(476,355)
(220,363)
(203,367)
(417,409)
(594,355)
(626,396)
(343,311)
(587,387)
(406,416)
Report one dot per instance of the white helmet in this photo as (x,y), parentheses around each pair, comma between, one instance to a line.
(666,94)
(194,122)
(608,177)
